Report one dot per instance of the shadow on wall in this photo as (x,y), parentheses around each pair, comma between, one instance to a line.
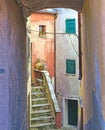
(97,122)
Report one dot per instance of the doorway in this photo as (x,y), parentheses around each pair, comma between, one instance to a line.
(72,112)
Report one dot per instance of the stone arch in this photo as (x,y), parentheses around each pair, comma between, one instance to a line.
(33,5)
(13,77)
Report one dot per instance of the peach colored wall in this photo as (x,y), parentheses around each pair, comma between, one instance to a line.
(93,41)
(43,48)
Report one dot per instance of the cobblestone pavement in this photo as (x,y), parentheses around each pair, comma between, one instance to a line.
(64,128)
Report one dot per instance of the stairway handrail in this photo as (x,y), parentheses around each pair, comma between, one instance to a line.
(51,89)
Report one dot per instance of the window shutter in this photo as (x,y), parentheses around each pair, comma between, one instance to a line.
(70,26)
(71,66)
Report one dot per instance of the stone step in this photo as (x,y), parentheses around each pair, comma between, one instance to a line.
(37,87)
(37,93)
(38,99)
(40,111)
(41,118)
(39,80)
(42,125)
(41,105)
(41,114)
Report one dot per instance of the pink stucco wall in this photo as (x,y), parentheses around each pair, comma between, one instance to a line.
(43,48)
(93,43)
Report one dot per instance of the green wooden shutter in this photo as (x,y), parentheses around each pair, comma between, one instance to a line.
(70,26)
(71,66)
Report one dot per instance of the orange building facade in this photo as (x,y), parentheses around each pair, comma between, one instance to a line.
(42,39)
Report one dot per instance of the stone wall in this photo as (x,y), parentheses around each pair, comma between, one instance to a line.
(13,94)
(33,5)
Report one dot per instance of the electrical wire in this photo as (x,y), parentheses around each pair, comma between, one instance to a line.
(33,32)
(47,37)
(61,33)
(37,36)
(73,45)
(60,36)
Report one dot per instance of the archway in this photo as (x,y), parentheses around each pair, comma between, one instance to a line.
(13,78)
(13,55)
(63,43)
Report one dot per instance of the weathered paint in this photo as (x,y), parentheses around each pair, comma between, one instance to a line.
(97,108)
(42,48)
(93,22)
(34,5)
(13,91)
(12,61)
(65,50)
(58,120)
(67,85)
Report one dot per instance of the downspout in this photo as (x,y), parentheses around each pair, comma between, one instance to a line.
(55,16)
(80,52)
(58,114)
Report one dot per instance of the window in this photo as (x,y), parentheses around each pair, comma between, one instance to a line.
(70,66)
(42,30)
(70,26)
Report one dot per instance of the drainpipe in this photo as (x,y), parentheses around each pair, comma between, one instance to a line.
(58,114)
(55,16)
(80,52)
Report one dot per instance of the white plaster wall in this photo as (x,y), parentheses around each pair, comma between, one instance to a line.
(67,86)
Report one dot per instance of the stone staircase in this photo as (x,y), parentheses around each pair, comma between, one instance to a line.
(41,116)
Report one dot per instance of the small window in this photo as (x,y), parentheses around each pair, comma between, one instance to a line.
(70,26)
(71,66)
(42,30)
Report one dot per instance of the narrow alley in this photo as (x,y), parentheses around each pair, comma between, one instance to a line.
(52,65)
(50,105)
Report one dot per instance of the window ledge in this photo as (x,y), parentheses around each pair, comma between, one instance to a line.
(67,74)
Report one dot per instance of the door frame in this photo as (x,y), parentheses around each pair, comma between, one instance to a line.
(65,111)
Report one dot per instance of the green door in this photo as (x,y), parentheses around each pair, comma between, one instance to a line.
(72,112)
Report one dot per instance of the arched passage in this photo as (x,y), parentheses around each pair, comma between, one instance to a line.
(13,76)
(13,61)
(33,5)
